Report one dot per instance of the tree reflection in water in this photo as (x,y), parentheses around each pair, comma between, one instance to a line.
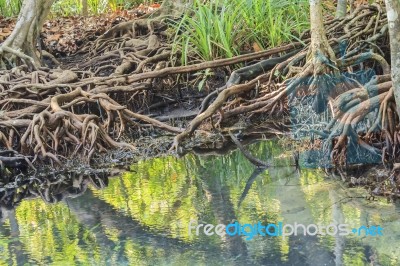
(141,216)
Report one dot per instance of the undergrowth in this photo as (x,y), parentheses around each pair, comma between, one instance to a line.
(227,28)
(11,8)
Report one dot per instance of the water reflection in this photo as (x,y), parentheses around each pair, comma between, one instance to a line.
(141,217)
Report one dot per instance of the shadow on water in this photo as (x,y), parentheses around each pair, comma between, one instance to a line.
(142,216)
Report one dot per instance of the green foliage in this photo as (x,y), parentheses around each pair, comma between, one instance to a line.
(50,232)
(67,7)
(226,27)
(210,32)
(275,22)
(95,7)
(10,8)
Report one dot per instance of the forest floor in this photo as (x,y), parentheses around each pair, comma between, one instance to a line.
(67,39)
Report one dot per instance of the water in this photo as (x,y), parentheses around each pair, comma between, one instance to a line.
(142,217)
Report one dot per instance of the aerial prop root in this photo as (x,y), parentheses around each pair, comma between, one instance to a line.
(56,128)
(4,50)
(355,105)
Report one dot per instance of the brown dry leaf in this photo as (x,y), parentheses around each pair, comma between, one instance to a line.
(357,3)
(256,47)
(4,33)
(62,35)
(5,30)
(54,37)
(330,5)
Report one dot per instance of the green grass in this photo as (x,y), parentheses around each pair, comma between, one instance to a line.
(95,7)
(227,27)
(11,8)
(270,23)
(209,33)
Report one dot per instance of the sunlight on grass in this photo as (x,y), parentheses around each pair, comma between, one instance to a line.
(11,8)
(228,28)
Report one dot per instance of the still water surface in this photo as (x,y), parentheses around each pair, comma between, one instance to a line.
(142,217)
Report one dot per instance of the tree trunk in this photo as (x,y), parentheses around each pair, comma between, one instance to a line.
(319,41)
(84,8)
(341,8)
(320,52)
(393,14)
(24,37)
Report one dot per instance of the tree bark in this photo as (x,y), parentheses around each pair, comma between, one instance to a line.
(341,8)
(320,52)
(319,41)
(24,37)
(393,14)
(84,8)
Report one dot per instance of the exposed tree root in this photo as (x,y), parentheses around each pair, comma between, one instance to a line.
(21,44)
(353,107)
(317,71)
(94,105)
(51,188)
(257,162)
(53,113)
(27,59)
